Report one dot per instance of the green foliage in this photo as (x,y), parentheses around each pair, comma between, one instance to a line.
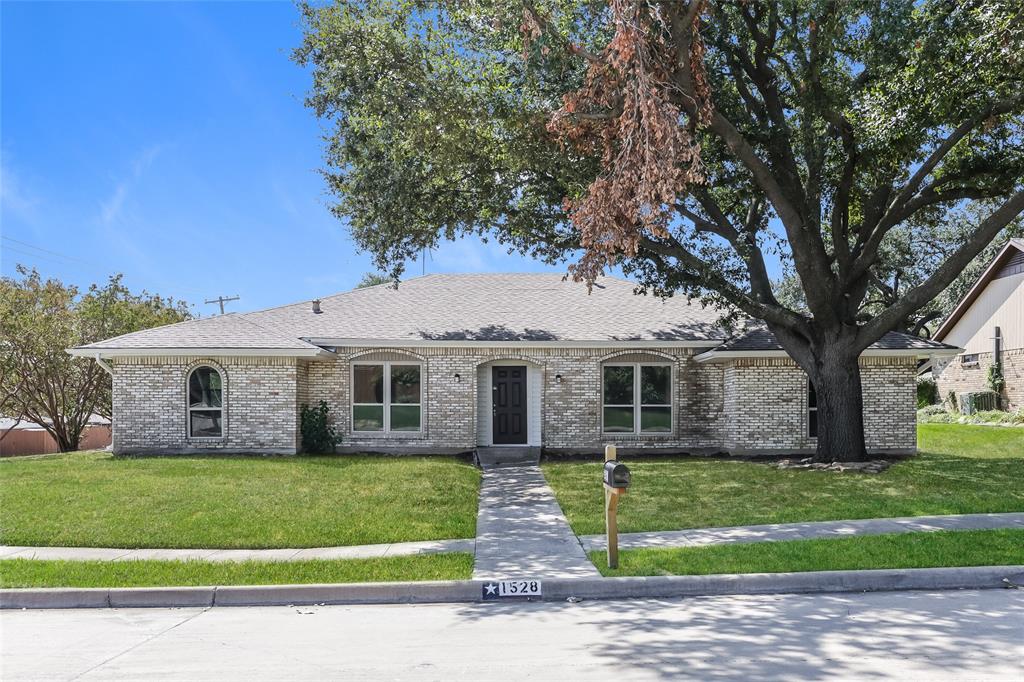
(995,378)
(952,402)
(40,319)
(934,414)
(372,279)
(318,435)
(927,392)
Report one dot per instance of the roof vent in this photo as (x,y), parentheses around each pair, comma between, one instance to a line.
(316,306)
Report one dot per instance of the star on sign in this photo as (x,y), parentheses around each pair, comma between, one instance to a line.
(491,588)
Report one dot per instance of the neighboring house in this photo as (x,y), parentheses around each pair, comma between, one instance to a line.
(453,363)
(27,438)
(989,325)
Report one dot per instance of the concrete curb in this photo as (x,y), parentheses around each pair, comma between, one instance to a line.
(560,589)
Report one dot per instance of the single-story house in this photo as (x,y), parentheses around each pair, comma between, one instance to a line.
(989,325)
(456,363)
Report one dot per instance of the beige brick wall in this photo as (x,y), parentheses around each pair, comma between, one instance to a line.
(741,406)
(952,375)
(260,405)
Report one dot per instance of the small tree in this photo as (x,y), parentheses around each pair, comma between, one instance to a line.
(39,320)
(372,279)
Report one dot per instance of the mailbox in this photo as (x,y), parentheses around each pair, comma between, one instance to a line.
(616,474)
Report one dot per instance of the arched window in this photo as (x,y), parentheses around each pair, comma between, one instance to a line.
(205,401)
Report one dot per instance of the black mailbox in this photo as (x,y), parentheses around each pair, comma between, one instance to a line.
(616,474)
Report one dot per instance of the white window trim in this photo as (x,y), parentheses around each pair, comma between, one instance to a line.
(814,409)
(386,364)
(636,405)
(189,409)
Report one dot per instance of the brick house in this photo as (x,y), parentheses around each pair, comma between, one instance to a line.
(989,325)
(493,363)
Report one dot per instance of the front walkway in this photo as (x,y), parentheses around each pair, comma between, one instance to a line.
(521,531)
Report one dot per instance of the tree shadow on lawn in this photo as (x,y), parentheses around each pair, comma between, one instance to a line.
(808,637)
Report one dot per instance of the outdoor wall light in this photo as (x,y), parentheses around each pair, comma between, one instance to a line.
(558,378)
(458,379)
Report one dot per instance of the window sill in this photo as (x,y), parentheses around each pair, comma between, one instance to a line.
(638,436)
(386,435)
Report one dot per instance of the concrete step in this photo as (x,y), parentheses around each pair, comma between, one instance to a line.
(488,457)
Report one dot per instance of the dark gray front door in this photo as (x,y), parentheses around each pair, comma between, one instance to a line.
(509,393)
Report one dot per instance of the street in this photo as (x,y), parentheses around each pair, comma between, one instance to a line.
(967,635)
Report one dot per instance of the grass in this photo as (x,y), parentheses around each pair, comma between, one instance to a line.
(39,573)
(911,550)
(960,469)
(94,499)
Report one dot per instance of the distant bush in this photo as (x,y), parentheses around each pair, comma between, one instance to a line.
(938,414)
(317,433)
(934,414)
(927,392)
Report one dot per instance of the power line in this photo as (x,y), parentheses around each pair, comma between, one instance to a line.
(39,248)
(222,300)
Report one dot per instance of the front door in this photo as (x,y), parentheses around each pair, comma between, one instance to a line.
(508,387)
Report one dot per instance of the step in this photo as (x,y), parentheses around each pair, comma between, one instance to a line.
(493,456)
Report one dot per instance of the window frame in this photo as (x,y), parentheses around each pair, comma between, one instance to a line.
(637,404)
(386,397)
(812,408)
(189,409)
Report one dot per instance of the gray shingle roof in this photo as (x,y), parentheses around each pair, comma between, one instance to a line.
(478,307)
(497,307)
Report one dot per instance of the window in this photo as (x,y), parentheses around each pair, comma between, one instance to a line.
(969,359)
(637,398)
(386,397)
(205,403)
(812,410)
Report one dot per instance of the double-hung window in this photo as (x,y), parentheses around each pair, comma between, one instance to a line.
(637,398)
(386,396)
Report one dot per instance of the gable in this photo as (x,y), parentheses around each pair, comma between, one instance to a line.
(999,304)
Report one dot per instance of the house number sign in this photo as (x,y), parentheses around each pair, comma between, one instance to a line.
(505,589)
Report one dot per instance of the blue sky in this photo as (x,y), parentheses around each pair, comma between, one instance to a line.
(168,141)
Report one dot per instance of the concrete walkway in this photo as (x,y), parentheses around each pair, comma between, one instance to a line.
(776,532)
(350,552)
(521,531)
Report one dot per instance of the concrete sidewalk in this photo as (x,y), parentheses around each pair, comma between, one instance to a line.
(551,534)
(776,532)
(521,531)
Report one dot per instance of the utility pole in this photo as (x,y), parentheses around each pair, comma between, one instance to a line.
(222,300)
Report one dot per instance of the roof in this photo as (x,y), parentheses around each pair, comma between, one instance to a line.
(542,308)
(759,342)
(1013,250)
(521,309)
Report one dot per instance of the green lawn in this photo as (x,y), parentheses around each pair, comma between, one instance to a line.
(95,499)
(911,550)
(37,573)
(961,469)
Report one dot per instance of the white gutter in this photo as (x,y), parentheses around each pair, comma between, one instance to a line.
(474,343)
(206,352)
(722,355)
(103,363)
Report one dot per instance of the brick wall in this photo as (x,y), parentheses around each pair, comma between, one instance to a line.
(952,375)
(740,406)
(150,410)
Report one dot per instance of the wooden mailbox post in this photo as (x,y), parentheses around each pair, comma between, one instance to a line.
(611,508)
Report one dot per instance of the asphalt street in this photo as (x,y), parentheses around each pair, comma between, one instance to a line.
(962,635)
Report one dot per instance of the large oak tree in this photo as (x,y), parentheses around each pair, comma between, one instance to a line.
(690,142)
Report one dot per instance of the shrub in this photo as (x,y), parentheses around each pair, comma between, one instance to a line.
(996,381)
(934,414)
(317,432)
(951,402)
(927,392)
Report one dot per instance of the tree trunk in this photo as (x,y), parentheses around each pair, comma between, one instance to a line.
(840,407)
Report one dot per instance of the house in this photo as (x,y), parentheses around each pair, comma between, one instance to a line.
(21,437)
(456,363)
(989,325)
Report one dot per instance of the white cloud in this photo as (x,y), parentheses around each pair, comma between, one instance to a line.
(112,209)
(15,197)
